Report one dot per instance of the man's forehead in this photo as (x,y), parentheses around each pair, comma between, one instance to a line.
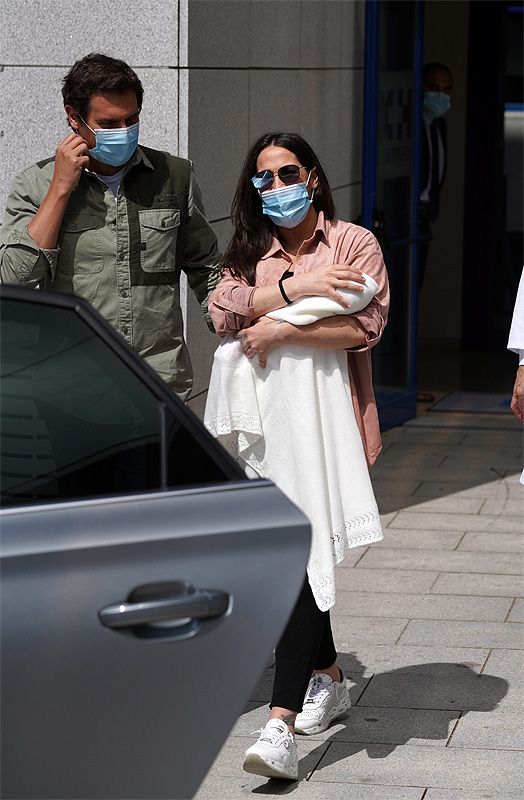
(113,103)
(438,75)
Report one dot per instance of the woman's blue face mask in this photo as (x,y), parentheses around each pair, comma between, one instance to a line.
(114,146)
(288,206)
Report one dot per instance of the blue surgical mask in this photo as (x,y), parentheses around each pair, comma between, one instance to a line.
(287,207)
(436,103)
(114,146)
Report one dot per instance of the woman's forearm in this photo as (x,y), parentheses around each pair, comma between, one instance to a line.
(335,333)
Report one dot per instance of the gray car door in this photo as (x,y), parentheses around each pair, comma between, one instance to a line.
(135,622)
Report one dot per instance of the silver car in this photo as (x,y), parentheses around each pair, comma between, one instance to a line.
(145,581)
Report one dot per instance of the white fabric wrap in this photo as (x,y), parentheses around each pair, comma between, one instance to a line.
(294,423)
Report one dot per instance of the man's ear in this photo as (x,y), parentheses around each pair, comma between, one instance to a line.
(72,118)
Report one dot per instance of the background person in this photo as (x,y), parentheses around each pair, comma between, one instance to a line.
(113,221)
(288,244)
(438,84)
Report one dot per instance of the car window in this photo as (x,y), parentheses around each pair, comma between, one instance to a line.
(77,421)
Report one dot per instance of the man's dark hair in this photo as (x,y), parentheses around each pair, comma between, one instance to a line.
(433,66)
(96,74)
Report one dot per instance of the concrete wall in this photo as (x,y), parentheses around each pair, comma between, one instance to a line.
(260,65)
(445,40)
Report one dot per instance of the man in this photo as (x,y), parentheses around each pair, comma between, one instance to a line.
(112,221)
(438,83)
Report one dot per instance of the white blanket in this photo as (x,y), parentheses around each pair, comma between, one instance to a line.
(294,423)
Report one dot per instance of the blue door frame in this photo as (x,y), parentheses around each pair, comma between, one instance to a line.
(394,408)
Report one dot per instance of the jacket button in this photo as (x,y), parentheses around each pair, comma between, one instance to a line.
(125,330)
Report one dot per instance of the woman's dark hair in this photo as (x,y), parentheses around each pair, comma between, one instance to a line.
(96,74)
(253,230)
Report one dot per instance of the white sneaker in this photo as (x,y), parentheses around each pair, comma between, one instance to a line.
(325,700)
(274,755)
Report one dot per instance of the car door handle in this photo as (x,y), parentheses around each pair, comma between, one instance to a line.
(200,604)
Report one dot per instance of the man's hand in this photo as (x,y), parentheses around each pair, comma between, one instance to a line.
(72,155)
(325,281)
(517,400)
(262,337)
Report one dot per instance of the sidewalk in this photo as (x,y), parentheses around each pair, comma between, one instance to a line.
(427,624)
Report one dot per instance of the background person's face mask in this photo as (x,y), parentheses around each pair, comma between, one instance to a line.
(114,146)
(288,206)
(437,103)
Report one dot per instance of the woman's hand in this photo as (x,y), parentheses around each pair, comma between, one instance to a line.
(325,281)
(262,337)
(517,400)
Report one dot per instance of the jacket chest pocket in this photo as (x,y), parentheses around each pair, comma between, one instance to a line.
(80,245)
(158,235)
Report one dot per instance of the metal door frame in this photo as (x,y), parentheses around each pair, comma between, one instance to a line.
(401,407)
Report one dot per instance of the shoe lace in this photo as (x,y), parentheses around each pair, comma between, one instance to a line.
(317,691)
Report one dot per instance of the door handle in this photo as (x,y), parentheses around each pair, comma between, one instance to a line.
(199,604)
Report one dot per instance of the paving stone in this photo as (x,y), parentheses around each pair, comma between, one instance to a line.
(510,460)
(508,505)
(464,488)
(472,634)
(352,557)
(476,794)
(492,439)
(449,504)
(506,663)
(457,522)
(476,584)
(444,561)
(425,766)
(426,540)
(413,471)
(454,687)
(387,487)
(501,730)
(517,612)
(246,786)
(500,542)
(421,606)
(349,632)
(385,580)
(463,421)
(405,434)
(370,660)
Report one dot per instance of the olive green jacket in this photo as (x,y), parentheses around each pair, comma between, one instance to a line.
(123,254)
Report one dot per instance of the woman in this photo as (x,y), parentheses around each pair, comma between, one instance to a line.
(287,244)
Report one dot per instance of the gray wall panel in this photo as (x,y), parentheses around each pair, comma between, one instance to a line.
(218,133)
(219,33)
(44,32)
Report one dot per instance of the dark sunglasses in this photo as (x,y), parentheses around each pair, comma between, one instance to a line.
(288,174)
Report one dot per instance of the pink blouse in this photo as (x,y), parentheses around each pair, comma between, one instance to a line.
(333,242)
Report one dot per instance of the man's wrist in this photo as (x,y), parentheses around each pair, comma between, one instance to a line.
(59,191)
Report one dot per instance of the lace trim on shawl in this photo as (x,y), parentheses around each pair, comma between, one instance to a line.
(363,529)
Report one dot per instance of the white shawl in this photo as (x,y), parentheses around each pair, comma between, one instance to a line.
(294,423)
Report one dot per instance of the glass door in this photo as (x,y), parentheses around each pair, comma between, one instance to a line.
(392,115)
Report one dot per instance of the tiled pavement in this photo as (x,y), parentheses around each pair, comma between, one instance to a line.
(429,626)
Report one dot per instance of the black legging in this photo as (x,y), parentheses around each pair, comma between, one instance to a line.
(306,644)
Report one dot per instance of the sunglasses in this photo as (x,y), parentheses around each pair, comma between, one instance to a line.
(288,174)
